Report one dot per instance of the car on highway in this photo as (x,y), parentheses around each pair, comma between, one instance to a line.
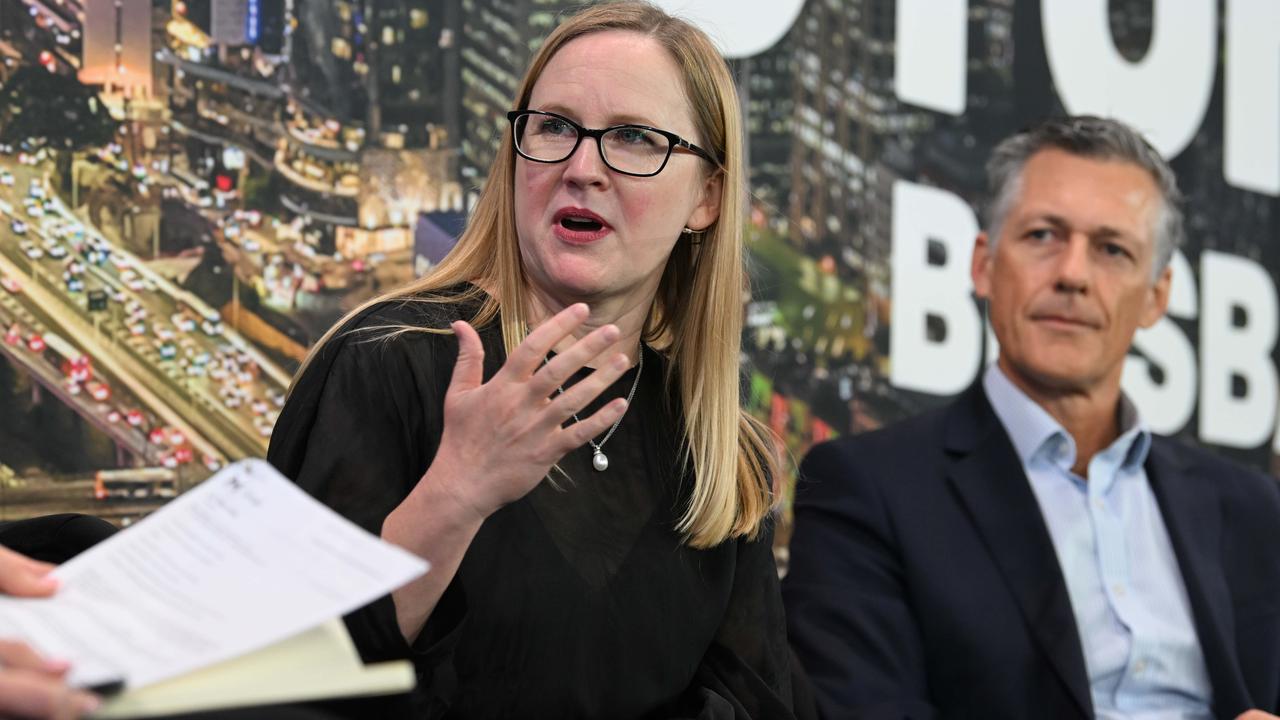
(31,250)
(10,284)
(98,390)
(182,322)
(74,283)
(263,426)
(6,178)
(134,417)
(13,335)
(55,249)
(35,343)
(132,281)
(232,397)
(18,227)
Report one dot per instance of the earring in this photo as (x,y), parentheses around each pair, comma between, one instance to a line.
(687,231)
(694,236)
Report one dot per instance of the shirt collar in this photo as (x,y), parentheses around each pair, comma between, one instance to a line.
(1033,430)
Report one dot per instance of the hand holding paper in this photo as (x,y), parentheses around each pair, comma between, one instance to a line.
(242,561)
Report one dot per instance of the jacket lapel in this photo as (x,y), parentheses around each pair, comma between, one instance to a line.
(1192,512)
(989,479)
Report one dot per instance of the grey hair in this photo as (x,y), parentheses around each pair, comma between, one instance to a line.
(1090,137)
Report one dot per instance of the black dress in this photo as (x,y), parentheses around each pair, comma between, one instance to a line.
(573,602)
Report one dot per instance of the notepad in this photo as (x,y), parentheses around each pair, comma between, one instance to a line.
(318,664)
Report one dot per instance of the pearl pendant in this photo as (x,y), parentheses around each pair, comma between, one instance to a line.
(600,461)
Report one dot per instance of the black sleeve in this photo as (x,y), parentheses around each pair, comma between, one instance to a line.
(354,434)
(746,671)
(849,619)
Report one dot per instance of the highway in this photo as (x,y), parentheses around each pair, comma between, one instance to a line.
(155,340)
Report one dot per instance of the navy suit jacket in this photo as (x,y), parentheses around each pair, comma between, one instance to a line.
(923,581)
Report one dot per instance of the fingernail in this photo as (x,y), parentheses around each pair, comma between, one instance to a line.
(90,703)
(581,309)
(57,666)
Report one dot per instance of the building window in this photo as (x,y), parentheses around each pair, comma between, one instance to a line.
(417,19)
(341,48)
(388,35)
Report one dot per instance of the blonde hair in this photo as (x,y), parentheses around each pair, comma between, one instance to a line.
(696,318)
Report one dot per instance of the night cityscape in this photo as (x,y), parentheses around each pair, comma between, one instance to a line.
(193,191)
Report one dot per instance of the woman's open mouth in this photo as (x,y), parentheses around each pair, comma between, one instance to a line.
(579,226)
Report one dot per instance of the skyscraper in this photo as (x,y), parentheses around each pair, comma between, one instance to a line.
(499,38)
(117,48)
(368,78)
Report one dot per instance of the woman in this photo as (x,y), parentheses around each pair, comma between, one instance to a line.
(592,498)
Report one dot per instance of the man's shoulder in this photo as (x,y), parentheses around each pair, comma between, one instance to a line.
(1205,465)
(897,457)
(912,435)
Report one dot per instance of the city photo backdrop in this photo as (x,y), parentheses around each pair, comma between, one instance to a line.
(193,191)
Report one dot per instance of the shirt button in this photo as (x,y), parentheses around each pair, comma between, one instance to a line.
(1098,503)
(1140,667)
(1117,590)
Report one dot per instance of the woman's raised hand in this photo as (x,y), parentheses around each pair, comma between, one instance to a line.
(503,436)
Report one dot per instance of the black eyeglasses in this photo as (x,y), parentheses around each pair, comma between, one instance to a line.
(637,150)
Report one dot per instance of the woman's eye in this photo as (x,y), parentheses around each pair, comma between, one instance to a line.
(553,126)
(635,136)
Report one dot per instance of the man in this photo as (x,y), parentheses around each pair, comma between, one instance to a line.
(1032,549)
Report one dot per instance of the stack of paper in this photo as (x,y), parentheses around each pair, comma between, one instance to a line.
(241,579)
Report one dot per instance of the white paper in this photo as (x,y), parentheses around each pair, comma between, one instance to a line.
(242,561)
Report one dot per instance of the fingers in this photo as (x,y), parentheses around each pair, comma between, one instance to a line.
(26,694)
(20,656)
(554,373)
(23,577)
(577,434)
(581,393)
(533,351)
(468,370)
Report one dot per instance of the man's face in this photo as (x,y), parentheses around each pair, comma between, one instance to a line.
(1069,280)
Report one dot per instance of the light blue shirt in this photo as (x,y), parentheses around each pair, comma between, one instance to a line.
(1127,594)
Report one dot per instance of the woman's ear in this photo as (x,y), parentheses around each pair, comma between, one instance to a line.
(707,210)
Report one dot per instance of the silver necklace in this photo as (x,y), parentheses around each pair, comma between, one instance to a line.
(599,460)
